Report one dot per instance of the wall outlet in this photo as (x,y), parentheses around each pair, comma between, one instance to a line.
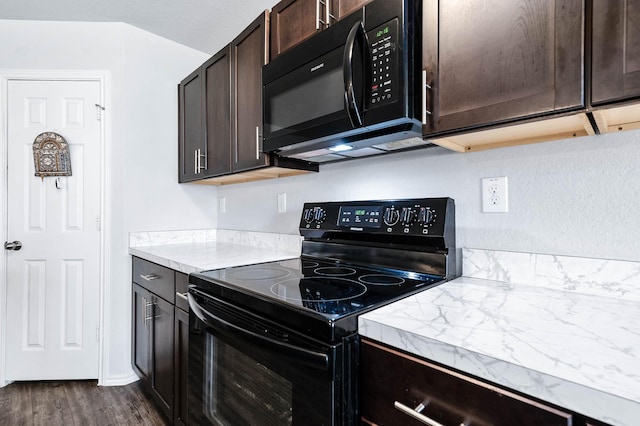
(495,195)
(222,204)
(282,202)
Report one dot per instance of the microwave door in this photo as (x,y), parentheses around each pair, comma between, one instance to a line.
(357,74)
(305,102)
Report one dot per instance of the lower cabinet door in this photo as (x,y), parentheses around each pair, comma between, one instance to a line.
(141,333)
(181,364)
(162,354)
(398,389)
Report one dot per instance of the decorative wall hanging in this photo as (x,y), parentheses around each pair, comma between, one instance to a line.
(51,155)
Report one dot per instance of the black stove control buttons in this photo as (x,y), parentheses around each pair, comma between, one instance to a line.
(313,217)
(308,215)
(408,216)
(426,216)
(320,215)
(391,216)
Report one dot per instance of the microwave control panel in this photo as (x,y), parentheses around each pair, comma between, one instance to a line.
(383,42)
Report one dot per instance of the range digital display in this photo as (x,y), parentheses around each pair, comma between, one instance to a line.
(360,216)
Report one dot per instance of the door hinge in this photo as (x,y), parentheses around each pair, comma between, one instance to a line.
(99,109)
(98,223)
(97,333)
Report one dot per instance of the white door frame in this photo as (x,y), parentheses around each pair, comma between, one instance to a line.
(104,78)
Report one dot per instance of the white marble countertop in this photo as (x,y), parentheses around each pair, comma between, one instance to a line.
(565,330)
(199,250)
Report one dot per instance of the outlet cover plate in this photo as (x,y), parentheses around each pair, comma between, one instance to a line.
(282,202)
(495,195)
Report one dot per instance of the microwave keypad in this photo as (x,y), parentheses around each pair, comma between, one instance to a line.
(384,54)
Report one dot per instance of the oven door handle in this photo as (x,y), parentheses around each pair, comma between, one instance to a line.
(317,360)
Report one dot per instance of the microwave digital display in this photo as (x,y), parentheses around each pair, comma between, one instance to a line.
(360,216)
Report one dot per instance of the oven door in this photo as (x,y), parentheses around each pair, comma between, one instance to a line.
(246,370)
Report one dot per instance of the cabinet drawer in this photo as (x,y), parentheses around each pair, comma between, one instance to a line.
(182,282)
(155,278)
(390,378)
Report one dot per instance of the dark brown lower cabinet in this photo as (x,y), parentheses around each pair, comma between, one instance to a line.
(181,354)
(160,336)
(397,389)
(153,346)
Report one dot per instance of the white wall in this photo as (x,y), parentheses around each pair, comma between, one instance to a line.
(573,197)
(145,70)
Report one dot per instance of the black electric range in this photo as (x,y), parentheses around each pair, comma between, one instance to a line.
(277,342)
(356,256)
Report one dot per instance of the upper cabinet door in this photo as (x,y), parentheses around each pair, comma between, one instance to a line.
(190,136)
(491,61)
(616,50)
(217,88)
(248,55)
(341,8)
(293,21)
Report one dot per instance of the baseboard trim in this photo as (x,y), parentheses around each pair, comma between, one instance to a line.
(122,380)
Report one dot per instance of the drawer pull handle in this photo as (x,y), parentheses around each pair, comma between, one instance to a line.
(416,413)
(182,296)
(149,277)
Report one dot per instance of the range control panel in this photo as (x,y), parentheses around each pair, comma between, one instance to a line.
(424,217)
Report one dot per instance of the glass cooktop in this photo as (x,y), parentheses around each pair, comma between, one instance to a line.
(306,288)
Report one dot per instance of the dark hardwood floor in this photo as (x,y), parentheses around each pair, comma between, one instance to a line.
(76,403)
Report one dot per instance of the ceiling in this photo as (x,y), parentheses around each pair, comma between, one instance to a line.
(194,23)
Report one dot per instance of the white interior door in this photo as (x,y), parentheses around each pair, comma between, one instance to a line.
(53,280)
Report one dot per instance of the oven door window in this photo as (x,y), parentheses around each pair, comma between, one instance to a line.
(241,391)
(236,381)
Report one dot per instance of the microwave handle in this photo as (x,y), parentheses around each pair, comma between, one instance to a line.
(308,357)
(354,110)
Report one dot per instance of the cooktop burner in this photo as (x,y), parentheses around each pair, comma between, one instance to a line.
(332,289)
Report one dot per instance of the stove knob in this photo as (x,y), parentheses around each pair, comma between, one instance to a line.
(408,216)
(425,216)
(391,216)
(308,215)
(320,215)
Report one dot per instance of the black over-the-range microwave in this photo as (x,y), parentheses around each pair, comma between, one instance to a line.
(351,90)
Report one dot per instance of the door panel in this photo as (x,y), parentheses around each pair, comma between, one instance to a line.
(616,50)
(190,136)
(498,61)
(217,89)
(53,281)
(248,56)
(293,21)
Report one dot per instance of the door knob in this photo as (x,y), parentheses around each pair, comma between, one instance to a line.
(16,245)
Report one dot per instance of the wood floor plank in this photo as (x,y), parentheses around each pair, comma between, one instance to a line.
(77,403)
(16,407)
(50,405)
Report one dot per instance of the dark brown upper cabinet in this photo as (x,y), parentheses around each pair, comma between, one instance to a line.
(204,137)
(249,52)
(490,62)
(220,116)
(615,51)
(190,127)
(293,21)
(217,97)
